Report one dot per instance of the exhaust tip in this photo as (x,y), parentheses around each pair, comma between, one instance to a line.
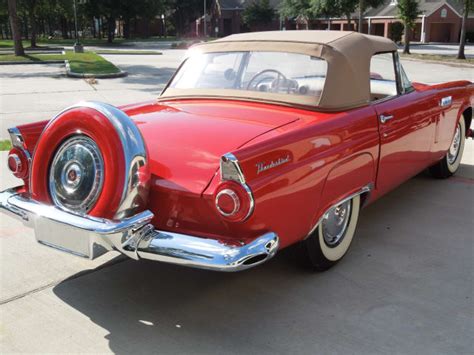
(255,259)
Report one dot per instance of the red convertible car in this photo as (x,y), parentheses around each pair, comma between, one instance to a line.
(258,141)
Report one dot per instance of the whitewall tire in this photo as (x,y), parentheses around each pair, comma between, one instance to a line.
(448,166)
(331,240)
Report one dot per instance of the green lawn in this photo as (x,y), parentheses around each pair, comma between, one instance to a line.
(438,58)
(5,145)
(83,63)
(86,41)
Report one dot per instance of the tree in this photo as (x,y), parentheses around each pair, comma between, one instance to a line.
(295,8)
(187,11)
(31,9)
(348,7)
(467,6)
(259,12)
(16,34)
(408,12)
(363,6)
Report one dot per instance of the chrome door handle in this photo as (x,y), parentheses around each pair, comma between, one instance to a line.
(385,118)
(446,101)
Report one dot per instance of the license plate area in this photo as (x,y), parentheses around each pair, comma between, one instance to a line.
(72,240)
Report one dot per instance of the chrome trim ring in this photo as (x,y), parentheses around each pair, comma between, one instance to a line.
(77,164)
(234,198)
(453,151)
(335,222)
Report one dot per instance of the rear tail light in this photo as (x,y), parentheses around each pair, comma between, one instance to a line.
(18,163)
(234,201)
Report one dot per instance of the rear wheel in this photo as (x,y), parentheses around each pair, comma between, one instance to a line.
(448,166)
(329,242)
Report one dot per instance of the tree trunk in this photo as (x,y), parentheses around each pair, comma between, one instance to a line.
(64,28)
(25,26)
(462,40)
(110,29)
(99,27)
(406,40)
(33,24)
(361,15)
(126,27)
(16,34)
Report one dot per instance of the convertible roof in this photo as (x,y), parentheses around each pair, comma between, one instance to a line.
(347,54)
(316,37)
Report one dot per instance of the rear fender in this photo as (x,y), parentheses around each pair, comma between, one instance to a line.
(346,178)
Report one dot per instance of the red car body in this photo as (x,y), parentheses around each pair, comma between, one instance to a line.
(297,162)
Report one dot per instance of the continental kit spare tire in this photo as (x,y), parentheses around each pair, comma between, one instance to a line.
(91,159)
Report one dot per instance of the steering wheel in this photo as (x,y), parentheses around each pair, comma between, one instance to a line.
(279,75)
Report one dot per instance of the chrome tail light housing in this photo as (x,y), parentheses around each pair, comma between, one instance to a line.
(233,198)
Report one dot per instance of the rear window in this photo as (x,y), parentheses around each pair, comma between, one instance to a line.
(271,72)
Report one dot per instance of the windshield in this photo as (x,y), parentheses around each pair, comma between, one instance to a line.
(265,72)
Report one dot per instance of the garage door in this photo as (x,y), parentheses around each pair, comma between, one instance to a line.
(440,32)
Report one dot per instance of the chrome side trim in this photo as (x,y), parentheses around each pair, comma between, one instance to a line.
(134,150)
(369,187)
(134,237)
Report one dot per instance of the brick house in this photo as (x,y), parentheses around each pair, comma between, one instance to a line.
(225,18)
(439,21)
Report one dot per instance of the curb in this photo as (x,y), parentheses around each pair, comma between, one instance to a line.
(29,63)
(72,74)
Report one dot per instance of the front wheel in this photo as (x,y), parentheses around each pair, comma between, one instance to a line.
(329,242)
(448,166)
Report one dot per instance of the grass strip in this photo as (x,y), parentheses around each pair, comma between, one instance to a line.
(82,63)
(5,145)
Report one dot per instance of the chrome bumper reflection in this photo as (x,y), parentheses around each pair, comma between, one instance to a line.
(135,237)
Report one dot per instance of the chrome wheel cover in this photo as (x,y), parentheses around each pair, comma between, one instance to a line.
(453,152)
(334,223)
(76,174)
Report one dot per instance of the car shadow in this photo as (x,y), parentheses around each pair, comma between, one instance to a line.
(282,307)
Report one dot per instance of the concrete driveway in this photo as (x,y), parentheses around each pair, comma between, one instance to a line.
(406,285)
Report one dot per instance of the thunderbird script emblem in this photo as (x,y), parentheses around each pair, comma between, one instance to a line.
(264,166)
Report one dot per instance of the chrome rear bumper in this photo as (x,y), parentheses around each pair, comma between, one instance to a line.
(135,237)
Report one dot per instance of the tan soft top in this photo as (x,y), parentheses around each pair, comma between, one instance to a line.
(347,54)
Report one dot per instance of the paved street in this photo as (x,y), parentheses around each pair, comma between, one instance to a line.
(405,287)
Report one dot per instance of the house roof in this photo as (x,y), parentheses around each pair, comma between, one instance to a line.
(427,7)
(347,54)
